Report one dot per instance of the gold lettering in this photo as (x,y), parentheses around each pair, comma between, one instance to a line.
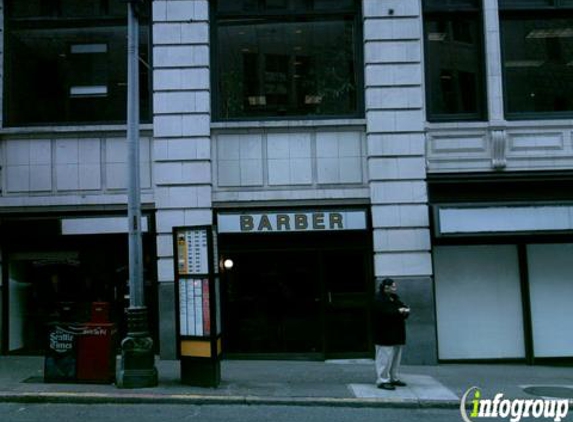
(265,223)
(246,223)
(283,221)
(300,222)
(318,221)
(336,220)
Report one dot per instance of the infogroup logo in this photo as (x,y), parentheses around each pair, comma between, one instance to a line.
(515,409)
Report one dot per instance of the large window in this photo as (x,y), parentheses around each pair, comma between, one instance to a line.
(287,58)
(66,62)
(454,60)
(537,53)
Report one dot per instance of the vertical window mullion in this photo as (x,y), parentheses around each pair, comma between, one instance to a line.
(493,63)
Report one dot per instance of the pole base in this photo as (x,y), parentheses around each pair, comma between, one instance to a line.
(137,378)
(137,369)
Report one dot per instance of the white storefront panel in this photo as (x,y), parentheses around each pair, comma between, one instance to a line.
(478,302)
(551,289)
(508,219)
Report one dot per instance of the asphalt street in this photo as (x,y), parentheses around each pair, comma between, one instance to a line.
(14,412)
(182,413)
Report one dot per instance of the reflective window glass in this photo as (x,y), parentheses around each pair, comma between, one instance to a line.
(538,65)
(71,70)
(299,67)
(455,87)
(451,4)
(518,4)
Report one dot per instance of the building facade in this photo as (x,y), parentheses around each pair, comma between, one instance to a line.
(331,143)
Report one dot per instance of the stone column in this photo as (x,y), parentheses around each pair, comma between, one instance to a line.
(497,133)
(181,150)
(393,48)
(494,81)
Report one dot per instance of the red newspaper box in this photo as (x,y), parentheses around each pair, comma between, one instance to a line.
(100,312)
(96,353)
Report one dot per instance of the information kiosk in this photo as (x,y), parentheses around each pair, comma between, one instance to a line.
(198,305)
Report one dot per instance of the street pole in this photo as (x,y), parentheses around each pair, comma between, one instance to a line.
(137,358)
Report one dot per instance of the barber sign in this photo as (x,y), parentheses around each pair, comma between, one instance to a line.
(291,221)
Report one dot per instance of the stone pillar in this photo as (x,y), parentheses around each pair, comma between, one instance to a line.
(181,150)
(2,70)
(395,115)
(497,134)
(494,69)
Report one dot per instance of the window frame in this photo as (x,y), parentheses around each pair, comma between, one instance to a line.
(448,11)
(289,16)
(526,5)
(524,13)
(63,22)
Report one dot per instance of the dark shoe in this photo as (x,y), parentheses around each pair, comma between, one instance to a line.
(399,383)
(386,386)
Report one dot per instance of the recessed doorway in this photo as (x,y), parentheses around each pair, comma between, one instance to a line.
(297,295)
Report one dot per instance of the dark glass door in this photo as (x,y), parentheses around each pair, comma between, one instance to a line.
(345,275)
(303,294)
(273,303)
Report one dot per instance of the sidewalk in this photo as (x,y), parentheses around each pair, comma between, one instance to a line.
(331,383)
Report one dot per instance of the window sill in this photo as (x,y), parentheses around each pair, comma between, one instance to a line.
(540,117)
(32,130)
(289,124)
(502,124)
(457,125)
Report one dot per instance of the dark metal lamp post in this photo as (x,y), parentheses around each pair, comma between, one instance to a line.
(137,357)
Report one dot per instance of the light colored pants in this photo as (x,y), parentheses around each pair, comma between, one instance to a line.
(387,363)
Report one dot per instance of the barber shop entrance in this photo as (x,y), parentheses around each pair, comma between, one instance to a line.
(300,286)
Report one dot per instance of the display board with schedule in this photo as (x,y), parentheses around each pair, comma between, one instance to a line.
(197,303)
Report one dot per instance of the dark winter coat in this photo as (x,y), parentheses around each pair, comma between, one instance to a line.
(389,323)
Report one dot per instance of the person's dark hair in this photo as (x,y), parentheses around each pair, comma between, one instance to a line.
(387,282)
(384,283)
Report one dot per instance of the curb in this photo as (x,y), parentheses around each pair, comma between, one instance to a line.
(193,399)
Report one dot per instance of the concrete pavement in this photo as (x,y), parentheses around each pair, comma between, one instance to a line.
(307,383)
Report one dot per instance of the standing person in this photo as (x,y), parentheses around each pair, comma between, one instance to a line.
(389,334)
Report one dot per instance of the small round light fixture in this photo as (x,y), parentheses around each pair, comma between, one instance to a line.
(228,263)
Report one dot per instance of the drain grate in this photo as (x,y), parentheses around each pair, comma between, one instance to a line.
(550,391)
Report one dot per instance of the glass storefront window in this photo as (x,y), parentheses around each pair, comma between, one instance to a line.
(454,61)
(70,62)
(292,65)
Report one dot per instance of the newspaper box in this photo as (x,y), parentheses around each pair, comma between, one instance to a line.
(96,347)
